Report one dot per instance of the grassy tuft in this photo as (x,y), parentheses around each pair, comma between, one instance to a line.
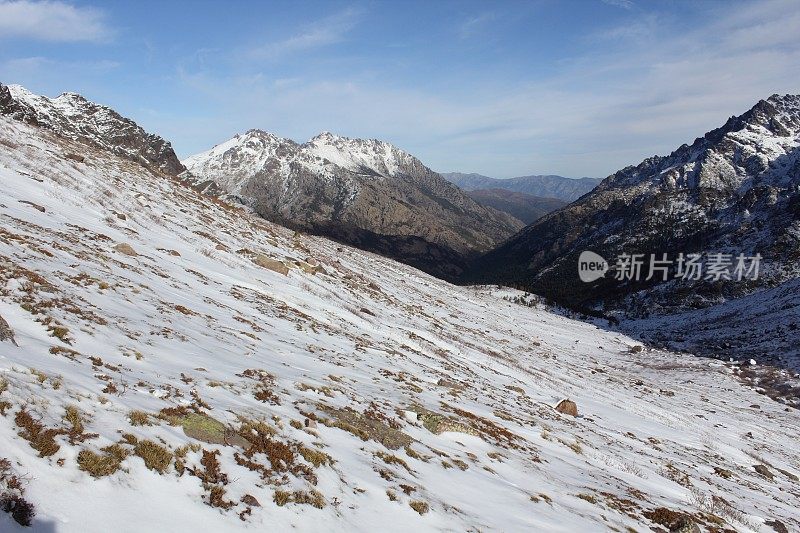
(139,418)
(419,506)
(105,464)
(155,456)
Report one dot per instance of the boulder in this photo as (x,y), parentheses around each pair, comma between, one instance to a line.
(567,407)
(272,264)
(6,333)
(126,249)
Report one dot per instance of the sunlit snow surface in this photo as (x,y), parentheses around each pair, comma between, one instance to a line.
(197,310)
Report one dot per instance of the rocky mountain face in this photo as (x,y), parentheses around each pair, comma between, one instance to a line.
(736,190)
(525,207)
(546,186)
(73,116)
(364,192)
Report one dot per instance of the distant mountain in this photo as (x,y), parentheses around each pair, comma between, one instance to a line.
(736,190)
(548,186)
(525,207)
(73,116)
(363,192)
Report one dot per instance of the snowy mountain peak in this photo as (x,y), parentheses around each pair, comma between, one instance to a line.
(231,163)
(325,136)
(369,156)
(72,116)
(363,191)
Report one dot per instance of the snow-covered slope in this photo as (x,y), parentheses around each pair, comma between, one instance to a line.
(217,372)
(71,115)
(363,192)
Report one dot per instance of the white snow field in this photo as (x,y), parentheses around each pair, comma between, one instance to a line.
(181,365)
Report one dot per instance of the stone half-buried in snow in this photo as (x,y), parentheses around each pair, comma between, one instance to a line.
(6,333)
(270,263)
(310,266)
(567,407)
(126,249)
(438,423)
(204,428)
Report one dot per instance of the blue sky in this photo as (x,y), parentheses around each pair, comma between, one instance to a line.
(571,87)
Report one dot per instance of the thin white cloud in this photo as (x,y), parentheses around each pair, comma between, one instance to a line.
(624,4)
(638,94)
(472,25)
(52,21)
(325,32)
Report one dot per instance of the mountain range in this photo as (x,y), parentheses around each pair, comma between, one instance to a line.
(520,205)
(363,192)
(734,191)
(546,186)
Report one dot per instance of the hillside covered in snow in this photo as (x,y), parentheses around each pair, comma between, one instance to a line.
(170,362)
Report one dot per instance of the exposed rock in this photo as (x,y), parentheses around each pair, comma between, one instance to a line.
(567,407)
(33,205)
(764,471)
(366,428)
(73,116)
(206,429)
(6,333)
(270,263)
(309,268)
(250,500)
(126,249)
(438,423)
(788,474)
(777,525)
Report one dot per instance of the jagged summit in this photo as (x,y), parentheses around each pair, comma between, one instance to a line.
(362,191)
(757,148)
(370,156)
(73,116)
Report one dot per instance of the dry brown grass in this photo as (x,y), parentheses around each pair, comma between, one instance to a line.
(12,491)
(139,418)
(155,456)
(316,457)
(281,497)
(419,506)
(41,439)
(105,464)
